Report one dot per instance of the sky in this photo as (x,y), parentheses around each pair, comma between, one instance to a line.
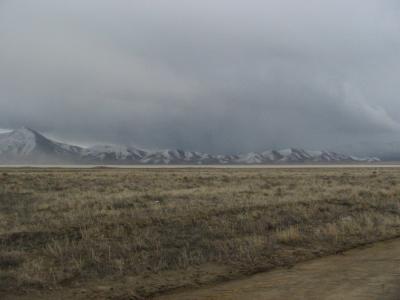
(213,75)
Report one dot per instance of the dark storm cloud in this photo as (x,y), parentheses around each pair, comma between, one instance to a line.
(219,76)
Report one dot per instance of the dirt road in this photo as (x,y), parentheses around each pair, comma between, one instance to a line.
(369,273)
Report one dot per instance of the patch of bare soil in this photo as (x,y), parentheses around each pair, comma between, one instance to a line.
(369,273)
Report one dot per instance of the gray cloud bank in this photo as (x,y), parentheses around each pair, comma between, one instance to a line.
(216,76)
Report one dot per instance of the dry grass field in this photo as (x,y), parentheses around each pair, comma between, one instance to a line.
(137,233)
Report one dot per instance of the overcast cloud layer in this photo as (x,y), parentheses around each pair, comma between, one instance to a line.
(216,76)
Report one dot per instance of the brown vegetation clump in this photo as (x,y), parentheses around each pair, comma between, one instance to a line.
(141,232)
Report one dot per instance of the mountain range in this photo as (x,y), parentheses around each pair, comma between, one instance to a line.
(27,146)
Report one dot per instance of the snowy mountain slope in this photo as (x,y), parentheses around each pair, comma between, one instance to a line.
(112,153)
(26,145)
(251,158)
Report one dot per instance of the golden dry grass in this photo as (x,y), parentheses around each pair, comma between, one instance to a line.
(142,232)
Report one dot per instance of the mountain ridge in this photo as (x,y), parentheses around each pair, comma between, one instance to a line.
(26,145)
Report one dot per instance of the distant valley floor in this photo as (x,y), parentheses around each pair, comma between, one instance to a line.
(183,166)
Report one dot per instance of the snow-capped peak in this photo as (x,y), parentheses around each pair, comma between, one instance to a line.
(21,141)
(27,145)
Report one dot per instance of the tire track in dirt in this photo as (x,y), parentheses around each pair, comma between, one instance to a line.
(371,273)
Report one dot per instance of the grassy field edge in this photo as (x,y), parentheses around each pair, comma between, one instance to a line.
(132,234)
